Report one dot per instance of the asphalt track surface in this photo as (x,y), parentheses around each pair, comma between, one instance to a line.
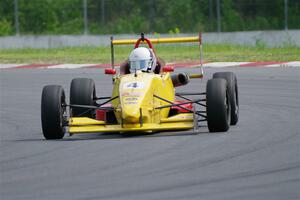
(257,159)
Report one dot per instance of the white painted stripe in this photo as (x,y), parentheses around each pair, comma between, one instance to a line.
(293,64)
(275,65)
(7,66)
(225,64)
(70,66)
(286,64)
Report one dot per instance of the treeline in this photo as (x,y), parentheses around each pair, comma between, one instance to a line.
(134,16)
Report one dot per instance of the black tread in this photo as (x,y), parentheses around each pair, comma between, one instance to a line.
(82,92)
(53,97)
(233,92)
(218,113)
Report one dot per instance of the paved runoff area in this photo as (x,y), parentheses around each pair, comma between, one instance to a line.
(259,158)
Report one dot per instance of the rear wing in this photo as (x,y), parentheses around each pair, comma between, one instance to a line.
(151,41)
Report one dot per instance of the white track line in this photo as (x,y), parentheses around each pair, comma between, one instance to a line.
(293,64)
(224,64)
(8,66)
(70,66)
(287,64)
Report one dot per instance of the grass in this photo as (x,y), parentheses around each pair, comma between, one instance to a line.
(171,53)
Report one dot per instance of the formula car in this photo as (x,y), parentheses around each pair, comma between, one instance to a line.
(141,102)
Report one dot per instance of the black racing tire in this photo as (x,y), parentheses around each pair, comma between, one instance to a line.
(82,92)
(53,112)
(217,105)
(232,87)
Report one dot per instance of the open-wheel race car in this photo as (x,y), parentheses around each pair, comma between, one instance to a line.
(143,98)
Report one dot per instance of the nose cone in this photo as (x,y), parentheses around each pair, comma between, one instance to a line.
(131,115)
(131,106)
(135,93)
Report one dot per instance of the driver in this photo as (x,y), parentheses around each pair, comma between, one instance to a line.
(141,59)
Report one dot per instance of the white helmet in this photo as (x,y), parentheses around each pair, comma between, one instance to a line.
(142,59)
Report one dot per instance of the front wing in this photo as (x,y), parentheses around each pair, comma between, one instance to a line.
(181,121)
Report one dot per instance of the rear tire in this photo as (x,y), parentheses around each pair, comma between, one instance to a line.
(82,92)
(232,88)
(218,106)
(53,112)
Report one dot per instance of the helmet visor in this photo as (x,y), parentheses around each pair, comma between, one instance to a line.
(140,65)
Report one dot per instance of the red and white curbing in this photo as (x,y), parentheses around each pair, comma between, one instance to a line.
(175,65)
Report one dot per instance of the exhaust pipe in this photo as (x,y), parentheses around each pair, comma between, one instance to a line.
(180,79)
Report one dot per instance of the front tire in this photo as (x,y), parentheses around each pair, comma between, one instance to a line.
(53,112)
(218,106)
(232,88)
(82,92)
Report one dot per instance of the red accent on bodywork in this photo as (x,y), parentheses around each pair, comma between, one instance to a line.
(101,114)
(181,110)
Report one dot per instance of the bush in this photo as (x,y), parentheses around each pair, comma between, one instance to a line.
(72,27)
(5,28)
(134,16)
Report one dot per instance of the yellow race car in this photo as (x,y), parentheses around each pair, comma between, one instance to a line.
(143,99)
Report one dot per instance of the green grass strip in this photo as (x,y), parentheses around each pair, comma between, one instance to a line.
(170,53)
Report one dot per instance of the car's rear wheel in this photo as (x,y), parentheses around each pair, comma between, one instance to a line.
(218,105)
(82,92)
(232,88)
(53,111)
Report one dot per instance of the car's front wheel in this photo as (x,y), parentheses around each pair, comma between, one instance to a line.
(53,111)
(82,92)
(217,105)
(232,88)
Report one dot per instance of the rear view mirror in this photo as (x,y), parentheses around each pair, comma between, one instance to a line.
(168,69)
(110,71)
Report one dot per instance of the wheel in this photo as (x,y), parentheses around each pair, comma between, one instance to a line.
(232,87)
(217,105)
(53,111)
(82,92)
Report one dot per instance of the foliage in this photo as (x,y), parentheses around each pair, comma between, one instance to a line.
(5,28)
(134,16)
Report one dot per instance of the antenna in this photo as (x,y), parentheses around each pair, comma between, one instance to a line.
(143,36)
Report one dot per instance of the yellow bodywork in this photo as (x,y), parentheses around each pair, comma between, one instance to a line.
(159,40)
(135,107)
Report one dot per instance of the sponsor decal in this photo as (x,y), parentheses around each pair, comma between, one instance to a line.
(131,94)
(131,99)
(134,85)
(130,102)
